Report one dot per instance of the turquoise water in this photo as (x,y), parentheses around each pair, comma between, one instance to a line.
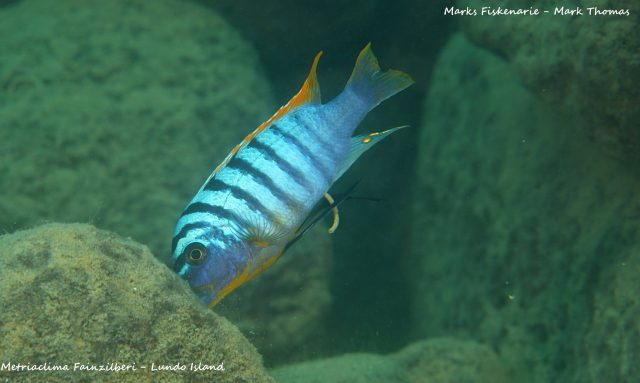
(496,241)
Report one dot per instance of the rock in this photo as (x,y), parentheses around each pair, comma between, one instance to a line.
(283,312)
(430,361)
(611,345)
(71,293)
(349,368)
(109,119)
(446,360)
(573,61)
(516,216)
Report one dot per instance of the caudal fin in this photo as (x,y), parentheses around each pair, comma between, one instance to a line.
(372,85)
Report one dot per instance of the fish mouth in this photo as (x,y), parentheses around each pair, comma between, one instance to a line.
(208,294)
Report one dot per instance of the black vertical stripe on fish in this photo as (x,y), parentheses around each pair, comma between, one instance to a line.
(179,264)
(292,171)
(202,207)
(237,192)
(263,179)
(293,140)
(218,211)
(183,232)
(328,147)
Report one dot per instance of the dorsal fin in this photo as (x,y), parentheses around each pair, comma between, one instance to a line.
(308,94)
(310,91)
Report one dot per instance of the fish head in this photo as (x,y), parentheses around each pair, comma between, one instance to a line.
(207,264)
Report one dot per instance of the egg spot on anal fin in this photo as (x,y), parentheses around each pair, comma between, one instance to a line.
(336,214)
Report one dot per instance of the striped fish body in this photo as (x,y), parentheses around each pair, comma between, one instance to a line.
(256,200)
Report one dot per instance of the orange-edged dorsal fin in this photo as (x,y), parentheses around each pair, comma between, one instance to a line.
(308,94)
(310,91)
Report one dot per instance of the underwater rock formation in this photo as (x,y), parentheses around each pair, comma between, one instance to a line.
(447,360)
(519,222)
(109,119)
(283,311)
(590,65)
(71,293)
(610,347)
(348,368)
(439,360)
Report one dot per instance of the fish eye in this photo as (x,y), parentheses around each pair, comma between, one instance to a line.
(195,253)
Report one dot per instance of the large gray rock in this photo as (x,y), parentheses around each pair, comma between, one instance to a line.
(611,345)
(74,294)
(440,360)
(589,65)
(114,112)
(348,368)
(516,216)
(448,360)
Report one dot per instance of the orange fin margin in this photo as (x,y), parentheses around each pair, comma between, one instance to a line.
(308,94)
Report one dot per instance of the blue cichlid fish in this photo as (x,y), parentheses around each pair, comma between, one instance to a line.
(261,198)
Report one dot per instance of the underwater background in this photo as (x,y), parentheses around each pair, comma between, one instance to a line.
(504,247)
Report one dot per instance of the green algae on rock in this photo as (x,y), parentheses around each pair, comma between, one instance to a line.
(113,112)
(71,293)
(517,216)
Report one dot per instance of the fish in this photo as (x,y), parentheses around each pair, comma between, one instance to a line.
(267,192)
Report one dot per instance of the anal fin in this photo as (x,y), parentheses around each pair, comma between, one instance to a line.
(360,144)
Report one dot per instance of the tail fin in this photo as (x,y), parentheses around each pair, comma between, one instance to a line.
(372,85)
